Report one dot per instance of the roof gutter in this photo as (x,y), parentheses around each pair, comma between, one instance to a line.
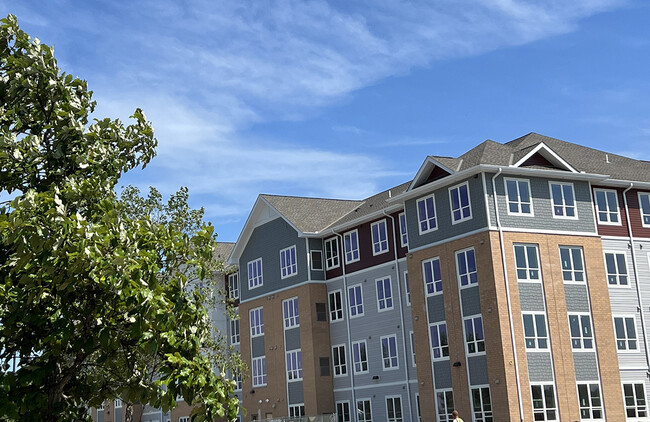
(356,221)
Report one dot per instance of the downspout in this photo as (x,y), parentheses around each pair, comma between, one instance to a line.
(347,322)
(401,317)
(636,276)
(507,283)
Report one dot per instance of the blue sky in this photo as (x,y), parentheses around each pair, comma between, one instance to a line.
(345,99)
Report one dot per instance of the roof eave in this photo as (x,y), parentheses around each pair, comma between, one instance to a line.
(357,221)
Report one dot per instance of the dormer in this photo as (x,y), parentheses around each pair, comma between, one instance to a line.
(435,168)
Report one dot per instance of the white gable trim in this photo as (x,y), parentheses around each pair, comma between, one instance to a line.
(547,153)
(423,172)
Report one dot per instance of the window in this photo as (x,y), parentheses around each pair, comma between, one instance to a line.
(343,411)
(257,322)
(427,214)
(394,409)
(445,405)
(582,336)
(625,329)
(384,294)
(360,356)
(259,371)
(481,404)
(635,404)
(466,262)
(234,331)
(296,410)
(417,405)
(404,237)
(535,333)
(474,338)
(184,419)
(117,403)
(364,410)
(324,366)
(355,300)
(564,205)
(294,365)
(616,269)
(351,244)
(413,348)
(288,264)
(233,286)
(237,377)
(644,205)
(607,207)
(591,405)
(336,306)
(518,194)
(332,253)
(460,206)
(432,276)
(544,408)
(439,342)
(339,360)
(379,237)
(290,311)
(316,260)
(255,273)
(389,352)
(527,263)
(407,288)
(573,269)
(321,311)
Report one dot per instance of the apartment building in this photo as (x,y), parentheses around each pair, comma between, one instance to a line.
(509,283)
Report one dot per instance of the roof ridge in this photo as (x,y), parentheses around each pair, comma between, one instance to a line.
(309,197)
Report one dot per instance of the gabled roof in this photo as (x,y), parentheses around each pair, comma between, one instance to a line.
(222,253)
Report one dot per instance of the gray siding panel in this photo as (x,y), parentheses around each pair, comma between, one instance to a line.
(577,299)
(100,416)
(478,373)
(117,415)
(531,297)
(586,366)
(257,347)
(292,339)
(296,394)
(442,374)
(436,307)
(540,367)
(471,301)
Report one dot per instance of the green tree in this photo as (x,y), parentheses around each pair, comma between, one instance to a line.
(91,293)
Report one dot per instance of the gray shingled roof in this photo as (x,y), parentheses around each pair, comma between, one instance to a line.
(449,162)
(223,251)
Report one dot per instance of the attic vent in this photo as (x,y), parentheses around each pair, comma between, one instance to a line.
(390,195)
(607,158)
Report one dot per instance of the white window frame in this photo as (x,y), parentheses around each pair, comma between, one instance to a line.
(617,274)
(643,409)
(233,286)
(239,381)
(563,206)
(256,280)
(625,340)
(607,213)
(583,341)
(353,252)
(355,309)
(431,222)
(442,396)
(366,406)
(379,245)
(519,202)
(412,337)
(117,403)
(536,337)
(461,208)
(336,314)
(184,419)
(432,286)
(390,362)
(530,273)
(358,367)
(403,230)
(296,410)
(572,271)
(339,360)
(288,262)
(293,359)
(436,329)
(384,288)
(645,216)
(468,274)
(334,260)
(544,410)
(478,343)
(395,418)
(256,323)
(291,313)
(235,333)
(407,288)
(340,411)
(483,414)
(258,370)
(590,407)
(313,253)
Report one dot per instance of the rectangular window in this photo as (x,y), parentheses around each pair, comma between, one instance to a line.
(336,306)
(394,409)
(237,377)
(389,352)
(439,342)
(445,405)
(321,311)
(379,237)
(432,276)
(384,294)
(290,312)
(427,214)
(564,205)
(607,207)
(233,286)
(635,403)
(360,356)
(364,410)
(591,404)
(644,205)
(625,329)
(288,266)
(184,419)
(461,209)
(297,410)
(518,194)
(482,404)
(332,253)
(474,338)
(544,407)
(234,331)
(257,322)
(404,237)
(294,365)
(117,403)
(616,269)
(343,411)
(466,266)
(582,336)
(417,405)
(339,360)
(351,244)
(259,371)
(573,268)
(255,273)
(407,287)
(324,366)
(355,300)
(535,333)
(527,263)
(413,348)
(316,260)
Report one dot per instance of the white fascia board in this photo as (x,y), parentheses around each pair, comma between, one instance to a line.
(352,223)
(542,148)
(429,161)
(626,183)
